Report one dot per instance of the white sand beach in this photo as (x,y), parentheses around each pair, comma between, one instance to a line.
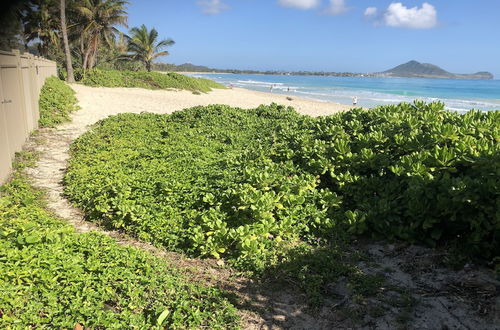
(100,102)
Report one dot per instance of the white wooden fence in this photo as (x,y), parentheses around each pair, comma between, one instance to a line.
(21,78)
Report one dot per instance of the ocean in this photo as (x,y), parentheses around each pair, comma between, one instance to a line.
(458,95)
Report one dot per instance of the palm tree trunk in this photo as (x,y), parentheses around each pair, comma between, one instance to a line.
(86,58)
(88,54)
(93,53)
(92,59)
(82,50)
(69,64)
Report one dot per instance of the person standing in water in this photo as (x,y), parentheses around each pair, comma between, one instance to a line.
(355,101)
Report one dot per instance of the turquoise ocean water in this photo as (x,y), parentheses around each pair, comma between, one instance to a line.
(459,95)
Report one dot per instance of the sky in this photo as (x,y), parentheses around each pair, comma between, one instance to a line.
(461,36)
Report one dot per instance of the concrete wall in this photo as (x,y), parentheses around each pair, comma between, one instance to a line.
(21,79)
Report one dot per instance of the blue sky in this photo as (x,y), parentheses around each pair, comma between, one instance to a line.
(327,35)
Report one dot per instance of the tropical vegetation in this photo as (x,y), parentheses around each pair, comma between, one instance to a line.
(250,186)
(82,34)
(98,20)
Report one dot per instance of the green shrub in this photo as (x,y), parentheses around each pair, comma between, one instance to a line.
(52,277)
(411,172)
(142,79)
(251,185)
(57,101)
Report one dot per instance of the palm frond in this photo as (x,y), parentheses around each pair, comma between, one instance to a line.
(164,53)
(144,46)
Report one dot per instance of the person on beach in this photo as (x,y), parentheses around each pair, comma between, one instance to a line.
(271,88)
(355,101)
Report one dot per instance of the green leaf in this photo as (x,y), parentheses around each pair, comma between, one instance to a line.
(33,238)
(163,316)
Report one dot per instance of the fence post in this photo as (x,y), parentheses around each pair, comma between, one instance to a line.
(33,90)
(22,101)
(5,153)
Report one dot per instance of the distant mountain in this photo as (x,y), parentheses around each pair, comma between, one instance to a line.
(426,70)
(410,69)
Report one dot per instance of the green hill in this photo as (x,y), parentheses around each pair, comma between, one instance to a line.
(426,70)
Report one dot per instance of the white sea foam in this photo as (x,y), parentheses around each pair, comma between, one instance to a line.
(260,83)
(370,98)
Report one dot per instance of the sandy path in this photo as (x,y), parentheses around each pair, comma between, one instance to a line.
(263,308)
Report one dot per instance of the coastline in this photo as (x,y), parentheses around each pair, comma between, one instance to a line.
(458,95)
(303,105)
(187,73)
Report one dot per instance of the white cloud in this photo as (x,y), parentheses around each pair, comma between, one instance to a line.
(337,7)
(212,7)
(371,12)
(400,16)
(300,4)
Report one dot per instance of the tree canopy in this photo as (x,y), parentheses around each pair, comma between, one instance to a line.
(91,28)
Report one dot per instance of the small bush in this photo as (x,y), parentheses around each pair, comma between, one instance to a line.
(413,172)
(57,101)
(149,80)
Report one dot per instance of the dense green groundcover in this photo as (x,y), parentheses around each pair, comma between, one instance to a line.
(57,101)
(142,79)
(251,185)
(52,276)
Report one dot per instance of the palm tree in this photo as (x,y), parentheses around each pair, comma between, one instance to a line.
(41,23)
(100,18)
(12,30)
(145,47)
(121,43)
(64,30)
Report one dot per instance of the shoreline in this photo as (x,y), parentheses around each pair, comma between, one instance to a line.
(457,100)
(188,73)
(301,104)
